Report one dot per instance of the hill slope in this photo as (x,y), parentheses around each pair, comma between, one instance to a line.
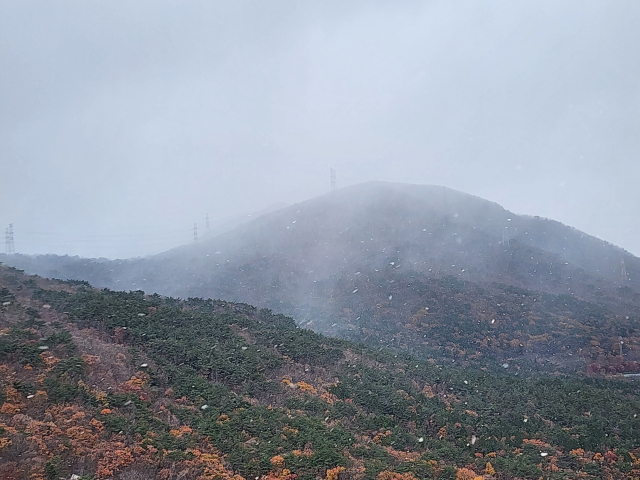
(123,385)
(418,267)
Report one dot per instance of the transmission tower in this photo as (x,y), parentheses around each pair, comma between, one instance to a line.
(505,236)
(195,233)
(334,182)
(624,270)
(207,231)
(8,240)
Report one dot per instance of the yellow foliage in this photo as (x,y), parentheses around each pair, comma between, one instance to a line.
(305,387)
(4,442)
(378,438)
(41,395)
(387,475)
(183,430)
(277,461)
(332,473)
(100,396)
(428,391)
(489,470)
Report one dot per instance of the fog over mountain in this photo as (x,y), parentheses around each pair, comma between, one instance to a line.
(378,261)
(123,124)
(425,228)
(319,240)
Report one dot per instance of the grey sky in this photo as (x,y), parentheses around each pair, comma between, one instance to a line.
(123,123)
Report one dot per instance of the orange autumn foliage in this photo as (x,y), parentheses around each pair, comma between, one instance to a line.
(402,456)
(135,383)
(214,469)
(536,443)
(14,403)
(330,398)
(97,424)
(49,359)
(10,408)
(307,452)
(467,474)
(113,460)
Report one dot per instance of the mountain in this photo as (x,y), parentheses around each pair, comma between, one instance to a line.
(423,268)
(101,384)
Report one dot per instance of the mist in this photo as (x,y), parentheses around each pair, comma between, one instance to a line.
(122,125)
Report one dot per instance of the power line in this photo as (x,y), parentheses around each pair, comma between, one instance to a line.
(122,235)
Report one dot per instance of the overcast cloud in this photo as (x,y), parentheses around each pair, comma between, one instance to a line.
(124,123)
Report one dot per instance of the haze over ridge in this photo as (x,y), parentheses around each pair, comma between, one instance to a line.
(417,227)
(132,122)
(419,267)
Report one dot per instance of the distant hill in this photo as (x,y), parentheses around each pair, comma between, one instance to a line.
(101,384)
(424,268)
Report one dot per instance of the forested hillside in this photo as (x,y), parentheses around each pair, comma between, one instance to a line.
(110,384)
(423,269)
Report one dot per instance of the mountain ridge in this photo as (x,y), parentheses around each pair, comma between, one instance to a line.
(334,261)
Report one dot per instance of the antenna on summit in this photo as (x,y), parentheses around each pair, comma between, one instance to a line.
(334,182)
(8,240)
